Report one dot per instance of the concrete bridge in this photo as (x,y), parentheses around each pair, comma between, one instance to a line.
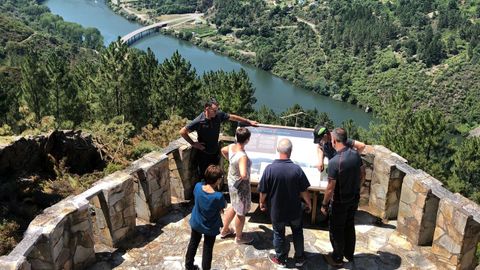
(138,34)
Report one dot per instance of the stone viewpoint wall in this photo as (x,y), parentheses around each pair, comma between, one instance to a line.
(64,235)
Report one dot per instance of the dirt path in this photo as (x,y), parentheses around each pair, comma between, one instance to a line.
(312,25)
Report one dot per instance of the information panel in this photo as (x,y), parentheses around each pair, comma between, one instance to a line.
(262,150)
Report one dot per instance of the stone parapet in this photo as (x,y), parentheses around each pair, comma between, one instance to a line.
(60,238)
(182,170)
(418,207)
(64,235)
(152,186)
(386,183)
(116,203)
(457,233)
(368,156)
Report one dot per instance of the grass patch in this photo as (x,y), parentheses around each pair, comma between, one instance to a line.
(200,31)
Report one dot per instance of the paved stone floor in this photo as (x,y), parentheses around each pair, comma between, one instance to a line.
(163,245)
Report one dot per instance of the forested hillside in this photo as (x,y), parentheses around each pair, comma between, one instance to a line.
(361,52)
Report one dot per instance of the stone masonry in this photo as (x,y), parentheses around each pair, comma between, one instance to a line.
(152,186)
(457,233)
(60,238)
(386,183)
(182,172)
(64,235)
(418,207)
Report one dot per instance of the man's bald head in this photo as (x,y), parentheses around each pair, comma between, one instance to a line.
(285,147)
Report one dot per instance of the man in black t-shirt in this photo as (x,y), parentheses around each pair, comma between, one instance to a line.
(341,198)
(207,125)
(282,186)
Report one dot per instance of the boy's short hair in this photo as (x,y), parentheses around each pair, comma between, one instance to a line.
(242,134)
(212,174)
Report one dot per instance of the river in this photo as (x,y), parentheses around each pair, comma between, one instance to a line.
(274,92)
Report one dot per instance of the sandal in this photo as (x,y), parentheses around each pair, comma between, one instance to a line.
(228,234)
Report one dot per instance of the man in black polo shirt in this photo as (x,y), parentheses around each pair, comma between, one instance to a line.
(341,198)
(281,188)
(207,125)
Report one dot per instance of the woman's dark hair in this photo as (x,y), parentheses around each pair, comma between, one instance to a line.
(212,174)
(242,134)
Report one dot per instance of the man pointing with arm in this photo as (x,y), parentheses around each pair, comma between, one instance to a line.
(207,125)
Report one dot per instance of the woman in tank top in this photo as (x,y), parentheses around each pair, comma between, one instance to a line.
(238,186)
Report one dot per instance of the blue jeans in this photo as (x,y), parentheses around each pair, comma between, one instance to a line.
(279,242)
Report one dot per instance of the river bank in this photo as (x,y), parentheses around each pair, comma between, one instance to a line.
(197,33)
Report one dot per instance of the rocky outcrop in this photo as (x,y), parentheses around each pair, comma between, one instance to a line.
(29,155)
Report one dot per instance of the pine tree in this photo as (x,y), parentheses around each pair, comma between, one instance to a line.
(178,88)
(466,169)
(111,80)
(34,85)
(58,77)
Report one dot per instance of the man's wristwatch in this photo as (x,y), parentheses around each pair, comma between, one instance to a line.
(324,205)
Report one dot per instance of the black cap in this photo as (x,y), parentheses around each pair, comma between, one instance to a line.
(318,133)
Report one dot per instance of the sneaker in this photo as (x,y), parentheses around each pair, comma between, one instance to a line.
(331,261)
(246,239)
(349,259)
(275,260)
(300,261)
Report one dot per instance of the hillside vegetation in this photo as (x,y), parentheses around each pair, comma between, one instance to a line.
(362,51)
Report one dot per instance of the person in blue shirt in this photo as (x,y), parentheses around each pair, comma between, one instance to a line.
(282,187)
(205,219)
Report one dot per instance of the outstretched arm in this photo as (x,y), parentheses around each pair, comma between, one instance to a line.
(237,118)
(360,146)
